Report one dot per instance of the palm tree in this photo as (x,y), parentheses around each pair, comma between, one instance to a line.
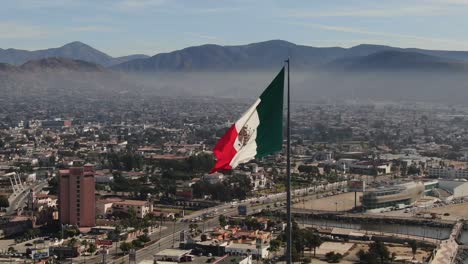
(312,239)
(414,247)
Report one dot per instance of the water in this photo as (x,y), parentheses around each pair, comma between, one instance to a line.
(412,230)
(464,237)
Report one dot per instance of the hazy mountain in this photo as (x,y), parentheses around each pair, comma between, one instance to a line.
(394,60)
(58,63)
(52,64)
(74,50)
(5,67)
(258,56)
(267,55)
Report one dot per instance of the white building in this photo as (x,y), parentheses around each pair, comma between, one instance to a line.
(109,206)
(213,178)
(368,167)
(247,249)
(447,172)
(456,187)
(104,178)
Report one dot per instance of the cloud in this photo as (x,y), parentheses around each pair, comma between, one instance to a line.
(35,4)
(201,36)
(434,10)
(139,4)
(13,30)
(93,29)
(213,10)
(450,2)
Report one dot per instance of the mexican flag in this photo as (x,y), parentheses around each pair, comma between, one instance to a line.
(257,133)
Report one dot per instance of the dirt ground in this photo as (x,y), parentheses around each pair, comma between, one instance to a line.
(455,211)
(402,252)
(340,202)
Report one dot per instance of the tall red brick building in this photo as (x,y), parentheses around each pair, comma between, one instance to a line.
(77,200)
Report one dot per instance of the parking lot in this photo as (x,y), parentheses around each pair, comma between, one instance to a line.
(338,202)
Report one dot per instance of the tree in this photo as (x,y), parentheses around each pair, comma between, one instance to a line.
(4,201)
(76,145)
(125,247)
(377,251)
(92,248)
(72,242)
(414,247)
(333,257)
(275,245)
(222,220)
(84,243)
(311,239)
(193,227)
(144,238)
(53,185)
(137,243)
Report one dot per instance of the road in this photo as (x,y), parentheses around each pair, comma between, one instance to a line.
(169,237)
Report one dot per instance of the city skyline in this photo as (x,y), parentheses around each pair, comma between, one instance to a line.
(153,26)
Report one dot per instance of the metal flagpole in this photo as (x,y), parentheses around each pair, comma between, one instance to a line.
(288,168)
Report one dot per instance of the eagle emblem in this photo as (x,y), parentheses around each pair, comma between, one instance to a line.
(244,135)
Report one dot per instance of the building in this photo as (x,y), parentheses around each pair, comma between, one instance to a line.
(43,200)
(56,123)
(10,183)
(392,196)
(371,167)
(457,188)
(141,208)
(77,196)
(116,205)
(244,249)
(213,178)
(173,255)
(447,172)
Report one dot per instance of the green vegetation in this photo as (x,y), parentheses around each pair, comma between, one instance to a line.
(4,201)
(333,257)
(302,239)
(222,220)
(414,247)
(165,182)
(235,187)
(378,253)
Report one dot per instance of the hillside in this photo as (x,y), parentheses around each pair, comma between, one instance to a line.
(271,54)
(74,50)
(393,60)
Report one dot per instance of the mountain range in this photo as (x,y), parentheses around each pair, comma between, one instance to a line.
(251,57)
(75,50)
(270,54)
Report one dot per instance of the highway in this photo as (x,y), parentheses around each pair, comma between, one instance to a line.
(170,235)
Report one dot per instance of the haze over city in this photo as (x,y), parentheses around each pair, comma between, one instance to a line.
(162,131)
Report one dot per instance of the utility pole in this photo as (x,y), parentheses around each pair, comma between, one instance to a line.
(173,233)
(288,173)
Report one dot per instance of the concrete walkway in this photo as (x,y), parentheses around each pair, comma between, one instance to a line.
(447,250)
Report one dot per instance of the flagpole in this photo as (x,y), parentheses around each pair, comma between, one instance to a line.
(288,173)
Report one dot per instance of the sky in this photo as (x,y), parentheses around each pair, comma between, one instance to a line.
(123,27)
